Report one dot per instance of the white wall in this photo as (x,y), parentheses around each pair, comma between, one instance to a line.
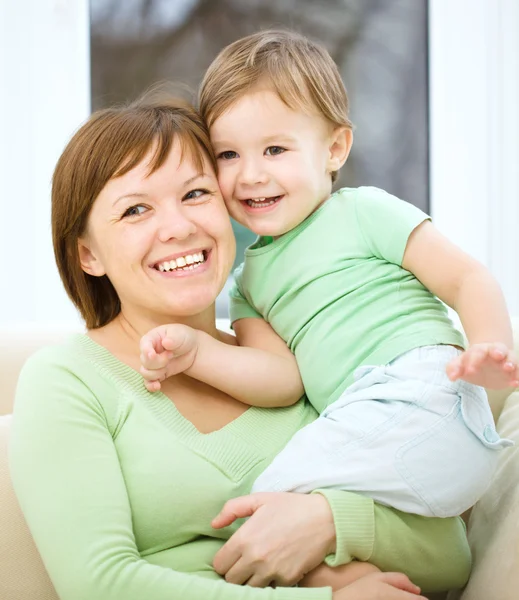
(474,95)
(44,95)
(474,131)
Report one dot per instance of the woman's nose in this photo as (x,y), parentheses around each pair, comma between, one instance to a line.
(175,224)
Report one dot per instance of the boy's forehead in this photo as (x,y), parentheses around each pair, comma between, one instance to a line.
(262,108)
(266,104)
(260,100)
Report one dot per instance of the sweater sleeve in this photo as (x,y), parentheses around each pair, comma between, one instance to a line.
(70,486)
(432,552)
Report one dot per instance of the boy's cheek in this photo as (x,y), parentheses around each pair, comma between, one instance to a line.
(225,187)
(227,197)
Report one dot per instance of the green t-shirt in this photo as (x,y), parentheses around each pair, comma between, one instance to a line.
(334,289)
(119,489)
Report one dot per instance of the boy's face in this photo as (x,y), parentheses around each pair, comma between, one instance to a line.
(273,162)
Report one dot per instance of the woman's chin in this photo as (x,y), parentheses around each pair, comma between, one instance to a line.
(191,305)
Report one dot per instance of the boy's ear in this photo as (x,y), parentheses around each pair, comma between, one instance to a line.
(88,259)
(340,146)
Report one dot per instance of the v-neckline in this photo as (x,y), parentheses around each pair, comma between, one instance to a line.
(158,400)
(235,448)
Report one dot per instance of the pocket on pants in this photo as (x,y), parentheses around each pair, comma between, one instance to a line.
(478,417)
(448,466)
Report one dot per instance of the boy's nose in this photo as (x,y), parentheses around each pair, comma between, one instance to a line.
(252,173)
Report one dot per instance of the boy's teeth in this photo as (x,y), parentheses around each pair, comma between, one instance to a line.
(188,262)
(261,202)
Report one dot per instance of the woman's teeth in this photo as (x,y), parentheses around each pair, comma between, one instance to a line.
(182,263)
(261,202)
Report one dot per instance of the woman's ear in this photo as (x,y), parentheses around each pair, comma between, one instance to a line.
(340,146)
(88,259)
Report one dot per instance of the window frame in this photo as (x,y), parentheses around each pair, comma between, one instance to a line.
(473,138)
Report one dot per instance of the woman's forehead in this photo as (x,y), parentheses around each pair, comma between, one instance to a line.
(180,165)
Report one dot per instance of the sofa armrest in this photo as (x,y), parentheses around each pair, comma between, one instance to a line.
(22,574)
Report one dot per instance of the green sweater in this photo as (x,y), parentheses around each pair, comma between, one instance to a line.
(119,489)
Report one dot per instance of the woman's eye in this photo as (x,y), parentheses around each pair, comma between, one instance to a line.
(195,194)
(227,155)
(274,150)
(134,211)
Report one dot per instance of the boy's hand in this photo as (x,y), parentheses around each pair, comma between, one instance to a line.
(492,366)
(165,351)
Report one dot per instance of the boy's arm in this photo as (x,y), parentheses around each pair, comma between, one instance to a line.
(470,289)
(260,370)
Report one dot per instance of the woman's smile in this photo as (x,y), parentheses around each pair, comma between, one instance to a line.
(194,262)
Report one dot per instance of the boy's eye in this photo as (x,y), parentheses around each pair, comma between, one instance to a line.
(195,194)
(133,211)
(274,150)
(227,155)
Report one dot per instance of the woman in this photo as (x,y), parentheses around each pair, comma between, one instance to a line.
(119,486)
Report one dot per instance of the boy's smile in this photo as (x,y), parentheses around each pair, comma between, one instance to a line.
(255,204)
(274,166)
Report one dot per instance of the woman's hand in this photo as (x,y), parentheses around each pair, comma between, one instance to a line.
(286,536)
(337,577)
(380,586)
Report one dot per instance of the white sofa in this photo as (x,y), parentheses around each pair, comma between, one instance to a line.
(493,526)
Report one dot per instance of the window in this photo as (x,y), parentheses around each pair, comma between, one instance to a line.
(380,47)
(474,124)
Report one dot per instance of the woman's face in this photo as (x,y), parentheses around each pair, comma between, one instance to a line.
(165,240)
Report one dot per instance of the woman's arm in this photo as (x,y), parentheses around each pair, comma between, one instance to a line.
(68,480)
(432,552)
(288,535)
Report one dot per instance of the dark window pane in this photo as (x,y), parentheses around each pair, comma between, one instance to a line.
(379,45)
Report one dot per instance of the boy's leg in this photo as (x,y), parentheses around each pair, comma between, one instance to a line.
(402,434)
(351,446)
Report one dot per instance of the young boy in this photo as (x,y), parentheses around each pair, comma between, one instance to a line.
(352,282)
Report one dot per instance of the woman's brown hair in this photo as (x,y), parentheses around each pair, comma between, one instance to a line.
(111,143)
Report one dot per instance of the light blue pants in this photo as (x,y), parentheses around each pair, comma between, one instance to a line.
(403,434)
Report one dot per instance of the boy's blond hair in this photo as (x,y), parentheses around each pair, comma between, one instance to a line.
(300,71)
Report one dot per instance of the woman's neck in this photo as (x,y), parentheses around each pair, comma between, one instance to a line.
(135,325)
(122,335)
